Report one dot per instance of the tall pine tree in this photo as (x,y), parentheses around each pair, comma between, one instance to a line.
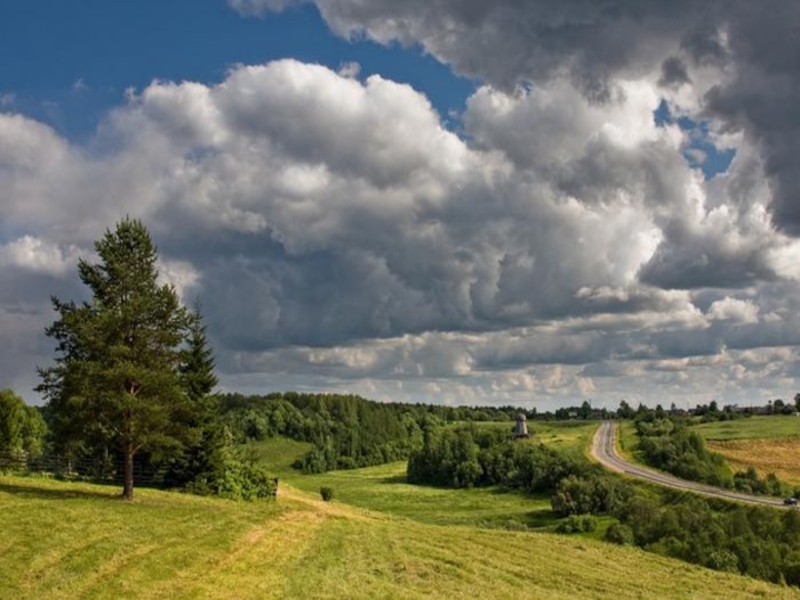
(119,357)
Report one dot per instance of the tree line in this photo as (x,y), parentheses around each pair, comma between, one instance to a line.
(345,430)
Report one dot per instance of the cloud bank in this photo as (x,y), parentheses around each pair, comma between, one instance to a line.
(558,247)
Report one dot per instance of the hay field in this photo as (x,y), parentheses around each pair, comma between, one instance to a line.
(74,540)
(773,455)
(770,444)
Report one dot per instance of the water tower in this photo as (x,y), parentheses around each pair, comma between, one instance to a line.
(521,428)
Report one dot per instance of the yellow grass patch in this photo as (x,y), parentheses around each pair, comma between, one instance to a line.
(777,455)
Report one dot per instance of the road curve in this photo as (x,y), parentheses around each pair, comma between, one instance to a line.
(604,451)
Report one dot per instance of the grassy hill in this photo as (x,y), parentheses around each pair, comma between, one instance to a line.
(68,540)
(770,444)
(384,488)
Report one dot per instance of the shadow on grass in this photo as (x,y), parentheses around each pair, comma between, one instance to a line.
(395,479)
(541,518)
(32,490)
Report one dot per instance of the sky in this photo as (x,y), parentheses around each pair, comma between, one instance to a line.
(532,203)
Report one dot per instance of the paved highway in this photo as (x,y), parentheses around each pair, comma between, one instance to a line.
(604,451)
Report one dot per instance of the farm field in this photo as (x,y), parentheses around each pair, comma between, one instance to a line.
(770,444)
(67,540)
(779,426)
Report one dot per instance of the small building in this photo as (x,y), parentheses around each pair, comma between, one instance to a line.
(521,428)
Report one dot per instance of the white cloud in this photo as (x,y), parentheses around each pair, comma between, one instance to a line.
(339,236)
(38,256)
(260,7)
(733,309)
(181,275)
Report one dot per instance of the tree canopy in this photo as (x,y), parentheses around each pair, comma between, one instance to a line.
(22,428)
(121,370)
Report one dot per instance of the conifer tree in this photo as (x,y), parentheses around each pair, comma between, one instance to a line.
(117,372)
(197,369)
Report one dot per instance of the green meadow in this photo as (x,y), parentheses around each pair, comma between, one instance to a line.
(384,488)
(379,538)
(77,540)
(777,426)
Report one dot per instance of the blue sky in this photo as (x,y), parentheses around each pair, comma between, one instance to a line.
(511,213)
(67,63)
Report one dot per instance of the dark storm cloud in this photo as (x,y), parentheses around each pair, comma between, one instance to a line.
(673,72)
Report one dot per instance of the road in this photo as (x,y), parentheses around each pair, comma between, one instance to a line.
(604,451)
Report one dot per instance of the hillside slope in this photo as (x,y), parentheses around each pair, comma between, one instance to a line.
(65,540)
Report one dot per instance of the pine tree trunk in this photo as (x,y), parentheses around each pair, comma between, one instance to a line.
(127,489)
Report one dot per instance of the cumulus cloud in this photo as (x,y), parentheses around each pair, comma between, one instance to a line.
(32,254)
(739,56)
(559,246)
(733,309)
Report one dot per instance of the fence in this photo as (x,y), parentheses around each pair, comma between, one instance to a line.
(108,468)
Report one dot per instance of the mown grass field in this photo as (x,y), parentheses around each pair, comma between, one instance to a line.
(74,540)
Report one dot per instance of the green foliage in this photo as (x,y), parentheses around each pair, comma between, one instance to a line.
(619,533)
(197,365)
(346,431)
(205,432)
(466,457)
(326,493)
(749,482)
(117,375)
(225,471)
(350,432)
(577,524)
(588,495)
(22,428)
(668,444)
(759,542)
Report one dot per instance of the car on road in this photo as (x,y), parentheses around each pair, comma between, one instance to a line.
(791,501)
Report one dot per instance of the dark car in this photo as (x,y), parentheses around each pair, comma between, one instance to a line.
(790,501)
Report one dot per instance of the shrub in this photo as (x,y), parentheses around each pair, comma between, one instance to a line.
(597,494)
(619,533)
(226,472)
(577,524)
(326,493)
